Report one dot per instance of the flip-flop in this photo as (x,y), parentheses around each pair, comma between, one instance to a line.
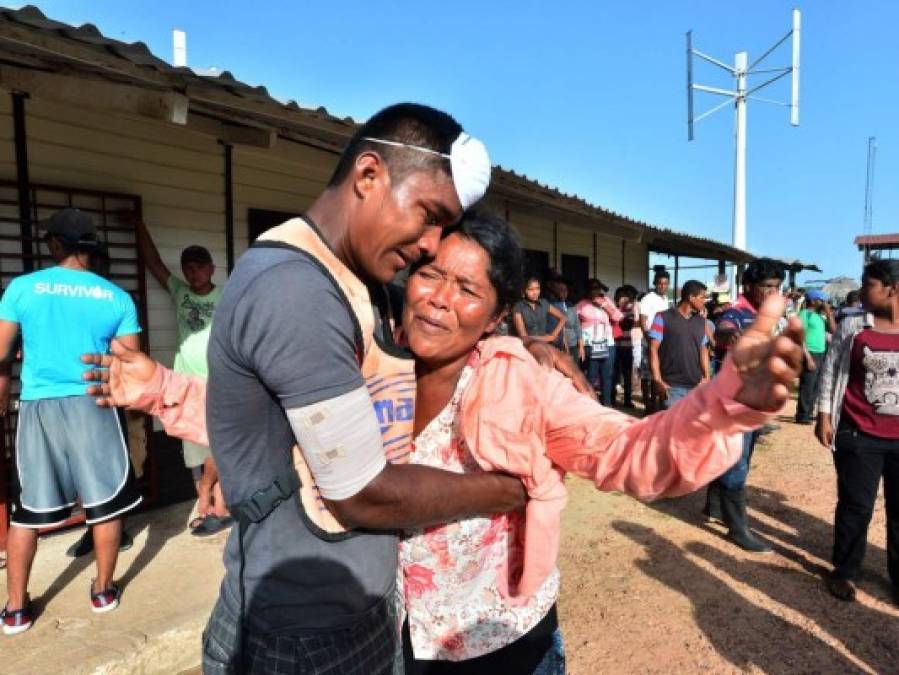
(212,525)
(196,522)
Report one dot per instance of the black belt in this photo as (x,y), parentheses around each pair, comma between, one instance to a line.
(254,509)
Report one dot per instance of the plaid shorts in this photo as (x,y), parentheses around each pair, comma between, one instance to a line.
(369,647)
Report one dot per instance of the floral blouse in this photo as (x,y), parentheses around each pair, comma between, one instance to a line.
(450,574)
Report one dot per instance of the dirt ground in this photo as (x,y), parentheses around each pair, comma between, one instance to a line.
(649,588)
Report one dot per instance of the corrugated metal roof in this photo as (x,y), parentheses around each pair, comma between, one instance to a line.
(59,43)
(85,48)
(877,240)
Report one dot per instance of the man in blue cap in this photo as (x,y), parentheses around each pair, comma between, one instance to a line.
(817,318)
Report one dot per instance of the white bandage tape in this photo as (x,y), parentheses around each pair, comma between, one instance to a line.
(471,169)
(341,442)
(469,162)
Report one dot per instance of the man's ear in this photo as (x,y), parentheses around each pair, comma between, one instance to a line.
(369,174)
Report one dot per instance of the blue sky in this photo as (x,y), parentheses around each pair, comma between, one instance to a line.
(589,96)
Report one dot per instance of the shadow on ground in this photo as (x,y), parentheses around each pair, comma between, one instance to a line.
(749,635)
(157,534)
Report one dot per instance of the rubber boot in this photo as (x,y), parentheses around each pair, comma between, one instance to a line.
(733,506)
(712,510)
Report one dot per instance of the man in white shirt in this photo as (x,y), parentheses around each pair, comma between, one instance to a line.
(653,303)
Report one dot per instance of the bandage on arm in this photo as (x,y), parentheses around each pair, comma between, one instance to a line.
(341,443)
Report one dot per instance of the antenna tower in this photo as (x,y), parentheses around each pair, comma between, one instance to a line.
(869,184)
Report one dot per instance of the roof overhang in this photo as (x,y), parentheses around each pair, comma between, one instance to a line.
(877,242)
(80,66)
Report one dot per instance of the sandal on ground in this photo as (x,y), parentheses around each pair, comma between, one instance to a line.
(196,522)
(212,525)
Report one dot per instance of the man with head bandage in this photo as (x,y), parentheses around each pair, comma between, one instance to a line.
(307,391)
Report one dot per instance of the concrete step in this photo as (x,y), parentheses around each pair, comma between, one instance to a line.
(169,581)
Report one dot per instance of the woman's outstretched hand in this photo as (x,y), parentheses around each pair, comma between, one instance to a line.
(768,364)
(121,375)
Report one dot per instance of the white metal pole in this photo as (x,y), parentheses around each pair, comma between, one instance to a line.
(740,62)
(179,48)
(794,98)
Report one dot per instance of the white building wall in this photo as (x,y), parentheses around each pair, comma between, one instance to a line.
(179,175)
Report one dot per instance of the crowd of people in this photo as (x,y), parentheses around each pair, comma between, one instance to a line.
(394,463)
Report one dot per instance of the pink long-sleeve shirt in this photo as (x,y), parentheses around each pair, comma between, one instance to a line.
(522,419)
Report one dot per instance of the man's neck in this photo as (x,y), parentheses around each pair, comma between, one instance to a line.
(887,318)
(685,310)
(331,215)
(203,290)
(77,262)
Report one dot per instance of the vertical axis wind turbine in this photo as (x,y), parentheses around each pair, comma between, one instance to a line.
(739,96)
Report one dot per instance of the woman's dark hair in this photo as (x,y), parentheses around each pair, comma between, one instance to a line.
(884,271)
(500,241)
(764,268)
(626,291)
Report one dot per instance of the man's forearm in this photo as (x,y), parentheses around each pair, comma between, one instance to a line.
(654,367)
(408,495)
(150,254)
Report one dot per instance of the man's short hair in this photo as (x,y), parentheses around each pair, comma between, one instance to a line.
(658,276)
(762,269)
(691,289)
(852,297)
(409,124)
(196,254)
(886,271)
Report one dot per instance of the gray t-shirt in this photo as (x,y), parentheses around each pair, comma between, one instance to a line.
(535,318)
(282,338)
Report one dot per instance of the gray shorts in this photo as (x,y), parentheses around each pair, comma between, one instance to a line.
(195,455)
(70,449)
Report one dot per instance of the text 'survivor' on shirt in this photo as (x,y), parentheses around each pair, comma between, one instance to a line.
(64,313)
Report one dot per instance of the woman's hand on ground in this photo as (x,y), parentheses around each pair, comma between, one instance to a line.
(122,375)
(768,364)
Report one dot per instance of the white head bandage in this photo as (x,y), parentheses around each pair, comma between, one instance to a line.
(469,162)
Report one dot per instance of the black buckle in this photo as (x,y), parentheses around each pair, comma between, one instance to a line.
(261,503)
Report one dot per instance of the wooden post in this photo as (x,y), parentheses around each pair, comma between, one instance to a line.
(23,180)
(229,207)
(676,281)
(556,245)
